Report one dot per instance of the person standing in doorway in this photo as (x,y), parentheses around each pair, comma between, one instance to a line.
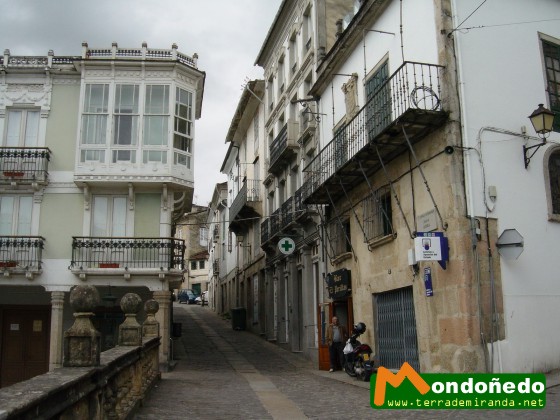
(336,337)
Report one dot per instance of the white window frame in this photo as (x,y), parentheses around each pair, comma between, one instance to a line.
(109,230)
(14,214)
(23,127)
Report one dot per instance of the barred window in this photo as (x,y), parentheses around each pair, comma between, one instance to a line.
(339,235)
(554,179)
(378,214)
(551,54)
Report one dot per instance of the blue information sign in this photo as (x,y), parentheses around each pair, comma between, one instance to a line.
(428,281)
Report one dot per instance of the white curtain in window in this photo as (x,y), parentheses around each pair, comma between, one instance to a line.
(15,215)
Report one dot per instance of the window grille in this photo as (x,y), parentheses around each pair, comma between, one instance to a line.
(378,214)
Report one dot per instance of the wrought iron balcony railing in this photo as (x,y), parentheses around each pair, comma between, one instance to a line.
(265,236)
(24,164)
(250,192)
(127,253)
(21,253)
(275,222)
(287,210)
(410,96)
(300,208)
(283,146)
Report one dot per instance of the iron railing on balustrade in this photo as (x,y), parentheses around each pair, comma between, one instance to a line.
(279,144)
(275,222)
(265,236)
(287,210)
(413,86)
(21,252)
(299,207)
(250,192)
(127,253)
(24,164)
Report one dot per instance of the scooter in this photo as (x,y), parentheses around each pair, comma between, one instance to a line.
(359,362)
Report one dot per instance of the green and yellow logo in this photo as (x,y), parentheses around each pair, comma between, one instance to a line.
(410,390)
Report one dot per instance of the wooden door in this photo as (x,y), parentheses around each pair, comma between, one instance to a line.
(324,319)
(341,309)
(25,344)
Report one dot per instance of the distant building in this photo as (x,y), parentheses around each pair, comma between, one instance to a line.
(192,228)
(219,259)
(96,158)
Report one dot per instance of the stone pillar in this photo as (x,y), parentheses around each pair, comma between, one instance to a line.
(82,341)
(163,317)
(130,331)
(150,328)
(57,312)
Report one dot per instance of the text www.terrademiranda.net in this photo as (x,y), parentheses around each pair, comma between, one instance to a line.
(467,403)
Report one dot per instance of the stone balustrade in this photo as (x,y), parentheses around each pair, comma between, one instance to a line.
(92,385)
(111,390)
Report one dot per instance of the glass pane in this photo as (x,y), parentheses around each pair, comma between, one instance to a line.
(14,128)
(32,128)
(126,99)
(180,159)
(157,99)
(24,216)
(182,143)
(99,227)
(155,131)
(119,216)
(6,215)
(124,156)
(94,129)
(126,130)
(181,125)
(93,156)
(183,104)
(154,156)
(96,100)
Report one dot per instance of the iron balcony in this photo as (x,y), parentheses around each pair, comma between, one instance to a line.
(245,206)
(24,165)
(146,255)
(409,100)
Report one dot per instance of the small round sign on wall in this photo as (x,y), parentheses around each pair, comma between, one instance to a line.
(286,246)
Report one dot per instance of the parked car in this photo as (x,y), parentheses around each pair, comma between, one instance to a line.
(186,296)
(202,299)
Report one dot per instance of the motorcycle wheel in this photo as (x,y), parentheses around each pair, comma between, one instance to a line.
(349,369)
(361,373)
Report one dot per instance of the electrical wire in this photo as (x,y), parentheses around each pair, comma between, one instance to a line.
(217,222)
(463,30)
(464,20)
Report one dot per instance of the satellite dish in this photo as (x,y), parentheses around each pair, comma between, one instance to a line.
(510,244)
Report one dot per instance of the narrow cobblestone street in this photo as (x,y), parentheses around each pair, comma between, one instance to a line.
(227,374)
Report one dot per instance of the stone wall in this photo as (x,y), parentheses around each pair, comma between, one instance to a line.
(111,390)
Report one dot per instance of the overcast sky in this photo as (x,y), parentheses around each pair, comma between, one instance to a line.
(226,34)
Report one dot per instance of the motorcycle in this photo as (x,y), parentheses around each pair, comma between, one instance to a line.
(359,362)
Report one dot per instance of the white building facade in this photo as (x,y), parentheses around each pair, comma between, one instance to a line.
(508,62)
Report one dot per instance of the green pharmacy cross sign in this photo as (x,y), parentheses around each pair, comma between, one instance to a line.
(287,246)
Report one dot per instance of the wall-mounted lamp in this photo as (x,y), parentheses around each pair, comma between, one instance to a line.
(542,120)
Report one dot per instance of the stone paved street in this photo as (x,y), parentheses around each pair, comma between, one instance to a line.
(227,374)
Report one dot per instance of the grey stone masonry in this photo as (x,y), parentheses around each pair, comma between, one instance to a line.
(130,331)
(150,328)
(82,340)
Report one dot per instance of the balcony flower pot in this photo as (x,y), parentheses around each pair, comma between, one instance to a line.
(109,265)
(8,264)
(13,174)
